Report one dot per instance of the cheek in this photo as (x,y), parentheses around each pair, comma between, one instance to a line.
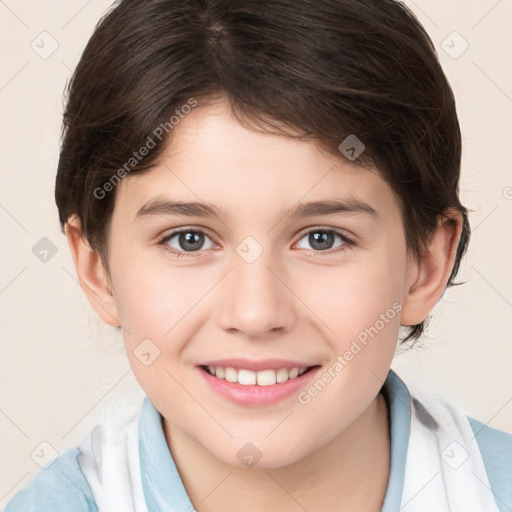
(161,303)
(362,312)
(150,306)
(149,295)
(352,298)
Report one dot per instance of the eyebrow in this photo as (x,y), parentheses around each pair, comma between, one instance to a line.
(161,206)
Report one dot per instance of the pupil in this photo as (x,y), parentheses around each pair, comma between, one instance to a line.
(322,239)
(191,240)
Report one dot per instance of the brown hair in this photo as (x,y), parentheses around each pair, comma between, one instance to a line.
(324,69)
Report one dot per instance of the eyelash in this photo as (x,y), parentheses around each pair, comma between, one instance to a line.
(347,242)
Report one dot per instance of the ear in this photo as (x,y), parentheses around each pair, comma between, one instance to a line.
(91,273)
(429,274)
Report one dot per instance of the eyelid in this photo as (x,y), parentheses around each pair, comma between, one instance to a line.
(338,231)
(348,242)
(162,241)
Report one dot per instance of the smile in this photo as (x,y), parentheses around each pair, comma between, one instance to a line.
(259,387)
(249,378)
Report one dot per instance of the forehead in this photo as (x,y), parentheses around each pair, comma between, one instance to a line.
(212,158)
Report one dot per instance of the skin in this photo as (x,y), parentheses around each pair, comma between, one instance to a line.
(334,452)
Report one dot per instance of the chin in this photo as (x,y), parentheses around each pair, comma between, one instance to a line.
(255,455)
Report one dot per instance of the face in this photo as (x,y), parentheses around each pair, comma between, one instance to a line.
(260,282)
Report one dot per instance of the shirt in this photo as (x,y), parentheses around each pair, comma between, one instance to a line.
(130,468)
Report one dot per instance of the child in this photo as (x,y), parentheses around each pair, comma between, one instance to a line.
(260,194)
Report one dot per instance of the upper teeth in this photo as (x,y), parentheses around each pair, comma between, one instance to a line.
(248,377)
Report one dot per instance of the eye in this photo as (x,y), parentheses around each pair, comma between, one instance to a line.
(323,239)
(185,241)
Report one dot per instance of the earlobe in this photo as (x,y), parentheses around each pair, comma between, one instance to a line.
(429,274)
(91,273)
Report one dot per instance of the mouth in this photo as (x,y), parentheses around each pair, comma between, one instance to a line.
(266,377)
(251,383)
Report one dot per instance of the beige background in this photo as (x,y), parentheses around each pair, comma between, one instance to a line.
(59,367)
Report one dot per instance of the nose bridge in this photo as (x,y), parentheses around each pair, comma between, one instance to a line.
(255,300)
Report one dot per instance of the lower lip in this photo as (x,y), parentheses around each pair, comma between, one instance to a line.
(254,395)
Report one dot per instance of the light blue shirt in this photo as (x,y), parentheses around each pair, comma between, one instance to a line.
(62,486)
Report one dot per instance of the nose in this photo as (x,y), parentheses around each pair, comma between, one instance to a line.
(255,299)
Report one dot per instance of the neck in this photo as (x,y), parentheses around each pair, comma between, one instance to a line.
(350,472)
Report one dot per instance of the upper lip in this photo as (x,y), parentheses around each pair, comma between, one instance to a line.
(256,366)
